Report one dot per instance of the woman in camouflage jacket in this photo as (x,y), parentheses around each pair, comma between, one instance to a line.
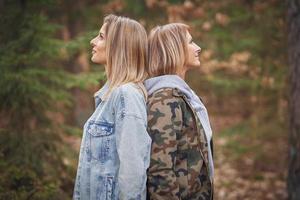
(181,165)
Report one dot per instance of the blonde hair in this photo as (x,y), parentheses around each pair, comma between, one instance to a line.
(126,51)
(167,49)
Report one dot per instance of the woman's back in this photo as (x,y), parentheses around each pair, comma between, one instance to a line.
(179,159)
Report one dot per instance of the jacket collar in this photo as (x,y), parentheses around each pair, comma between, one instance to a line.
(98,96)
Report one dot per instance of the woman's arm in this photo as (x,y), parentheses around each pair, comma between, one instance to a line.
(164,122)
(133,144)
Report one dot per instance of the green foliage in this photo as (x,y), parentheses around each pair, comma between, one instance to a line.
(227,44)
(30,165)
(34,85)
(80,43)
(175,1)
(30,79)
(239,34)
(259,32)
(85,80)
(135,7)
(70,130)
(226,85)
(252,137)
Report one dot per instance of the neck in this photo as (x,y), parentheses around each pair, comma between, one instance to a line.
(181,74)
(105,69)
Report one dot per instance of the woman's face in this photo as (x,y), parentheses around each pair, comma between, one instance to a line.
(98,44)
(193,51)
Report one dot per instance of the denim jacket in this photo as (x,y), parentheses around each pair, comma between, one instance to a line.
(115,147)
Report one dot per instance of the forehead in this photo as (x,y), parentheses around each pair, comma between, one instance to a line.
(188,35)
(103,28)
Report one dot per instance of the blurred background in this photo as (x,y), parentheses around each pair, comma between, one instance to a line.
(47,83)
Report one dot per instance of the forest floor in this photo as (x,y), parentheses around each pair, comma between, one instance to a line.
(259,172)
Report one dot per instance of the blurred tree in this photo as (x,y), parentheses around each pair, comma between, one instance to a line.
(294,62)
(81,21)
(34,94)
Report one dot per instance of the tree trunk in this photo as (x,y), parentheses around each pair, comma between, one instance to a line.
(294,101)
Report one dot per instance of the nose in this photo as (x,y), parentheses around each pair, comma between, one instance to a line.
(93,42)
(198,50)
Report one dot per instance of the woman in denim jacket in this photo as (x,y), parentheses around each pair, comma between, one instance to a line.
(115,148)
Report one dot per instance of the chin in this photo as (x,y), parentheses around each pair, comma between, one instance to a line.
(94,60)
(98,59)
(195,65)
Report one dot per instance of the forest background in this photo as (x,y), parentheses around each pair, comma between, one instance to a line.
(47,83)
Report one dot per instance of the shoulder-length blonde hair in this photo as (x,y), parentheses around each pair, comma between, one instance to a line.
(126,51)
(167,49)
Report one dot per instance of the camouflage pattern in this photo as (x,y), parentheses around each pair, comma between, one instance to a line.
(179,155)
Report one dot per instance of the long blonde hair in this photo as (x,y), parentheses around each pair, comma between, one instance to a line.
(167,49)
(126,51)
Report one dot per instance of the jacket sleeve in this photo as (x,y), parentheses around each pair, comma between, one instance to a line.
(164,122)
(133,146)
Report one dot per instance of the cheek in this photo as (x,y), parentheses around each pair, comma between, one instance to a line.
(192,61)
(100,55)
(191,54)
(101,47)
(101,52)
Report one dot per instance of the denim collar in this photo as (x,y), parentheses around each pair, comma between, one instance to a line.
(100,93)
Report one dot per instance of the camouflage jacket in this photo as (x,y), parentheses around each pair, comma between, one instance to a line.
(179,155)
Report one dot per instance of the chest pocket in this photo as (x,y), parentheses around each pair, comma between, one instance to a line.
(101,140)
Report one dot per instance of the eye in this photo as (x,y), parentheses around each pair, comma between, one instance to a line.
(101,36)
